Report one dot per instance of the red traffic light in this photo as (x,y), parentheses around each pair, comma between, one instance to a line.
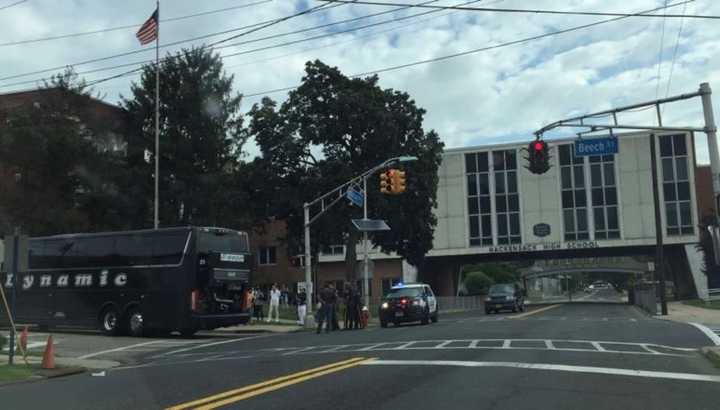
(538,146)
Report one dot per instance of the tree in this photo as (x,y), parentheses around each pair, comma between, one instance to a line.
(201,136)
(333,128)
(477,283)
(52,145)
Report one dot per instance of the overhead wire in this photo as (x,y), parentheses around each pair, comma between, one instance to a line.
(524,11)
(264,48)
(252,28)
(129,26)
(660,55)
(478,50)
(674,56)
(17,3)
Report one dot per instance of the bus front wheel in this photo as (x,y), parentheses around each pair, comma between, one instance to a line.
(110,321)
(134,325)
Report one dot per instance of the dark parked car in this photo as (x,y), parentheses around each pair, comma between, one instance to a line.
(408,303)
(505,296)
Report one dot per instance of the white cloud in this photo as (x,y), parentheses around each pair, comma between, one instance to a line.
(488,96)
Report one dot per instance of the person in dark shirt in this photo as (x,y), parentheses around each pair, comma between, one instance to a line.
(353,308)
(328,298)
(301,301)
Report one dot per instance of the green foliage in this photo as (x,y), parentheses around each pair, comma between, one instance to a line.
(333,128)
(3,342)
(498,272)
(56,145)
(201,137)
(477,283)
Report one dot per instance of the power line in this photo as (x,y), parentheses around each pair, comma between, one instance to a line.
(526,11)
(253,27)
(675,50)
(129,26)
(17,3)
(478,50)
(233,44)
(660,54)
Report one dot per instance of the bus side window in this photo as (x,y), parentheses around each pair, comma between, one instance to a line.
(133,250)
(168,247)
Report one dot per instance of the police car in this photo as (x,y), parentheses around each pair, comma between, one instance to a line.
(409,302)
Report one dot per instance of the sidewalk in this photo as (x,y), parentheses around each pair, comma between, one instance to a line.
(283,326)
(680,312)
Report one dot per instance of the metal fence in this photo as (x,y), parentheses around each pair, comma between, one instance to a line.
(646,298)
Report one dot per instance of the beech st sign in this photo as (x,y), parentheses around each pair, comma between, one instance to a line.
(596,146)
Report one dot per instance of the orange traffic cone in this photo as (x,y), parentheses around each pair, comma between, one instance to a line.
(48,361)
(23,339)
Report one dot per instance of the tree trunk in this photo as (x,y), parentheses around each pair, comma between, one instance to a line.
(351,256)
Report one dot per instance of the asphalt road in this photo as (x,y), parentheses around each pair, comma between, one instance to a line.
(590,356)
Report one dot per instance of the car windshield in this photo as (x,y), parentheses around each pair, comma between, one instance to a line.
(405,292)
(501,289)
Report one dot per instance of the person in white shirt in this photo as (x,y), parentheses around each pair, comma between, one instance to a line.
(274,303)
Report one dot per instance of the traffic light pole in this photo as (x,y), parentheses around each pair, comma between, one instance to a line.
(366,255)
(326,201)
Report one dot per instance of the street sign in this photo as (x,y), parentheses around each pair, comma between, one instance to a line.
(541,230)
(370,225)
(596,146)
(355,196)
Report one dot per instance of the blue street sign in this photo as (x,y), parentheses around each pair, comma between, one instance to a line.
(356,197)
(596,146)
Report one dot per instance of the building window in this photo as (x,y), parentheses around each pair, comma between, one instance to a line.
(676,185)
(574,197)
(507,200)
(334,250)
(603,190)
(267,255)
(478,188)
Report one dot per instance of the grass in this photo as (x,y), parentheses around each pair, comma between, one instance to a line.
(715,304)
(13,373)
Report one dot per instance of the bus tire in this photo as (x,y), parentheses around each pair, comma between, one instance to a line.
(109,321)
(188,332)
(134,322)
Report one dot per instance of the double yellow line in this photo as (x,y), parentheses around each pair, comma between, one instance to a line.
(235,395)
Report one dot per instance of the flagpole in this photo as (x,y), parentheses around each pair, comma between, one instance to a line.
(157,119)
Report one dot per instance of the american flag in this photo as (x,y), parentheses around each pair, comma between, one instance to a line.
(149,30)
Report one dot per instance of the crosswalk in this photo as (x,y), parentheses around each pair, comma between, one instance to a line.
(613,319)
(588,346)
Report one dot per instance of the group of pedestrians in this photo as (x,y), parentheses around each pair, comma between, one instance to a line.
(258,300)
(327,314)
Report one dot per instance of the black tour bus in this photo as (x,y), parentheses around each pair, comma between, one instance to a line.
(136,282)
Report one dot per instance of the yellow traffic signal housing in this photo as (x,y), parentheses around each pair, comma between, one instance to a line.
(385,182)
(398,182)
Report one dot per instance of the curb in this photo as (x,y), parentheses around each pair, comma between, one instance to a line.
(712,353)
(61,372)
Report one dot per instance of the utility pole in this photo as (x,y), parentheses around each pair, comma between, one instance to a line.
(366,258)
(711,132)
(659,254)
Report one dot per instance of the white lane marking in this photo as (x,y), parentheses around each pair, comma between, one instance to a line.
(709,333)
(549,344)
(555,367)
(334,349)
(646,347)
(304,349)
(605,319)
(119,349)
(364,349)
(473,344)
(597,346)
(209,358)
(506,344)
(404,346)
(208,345)
(633,320)
(443,344)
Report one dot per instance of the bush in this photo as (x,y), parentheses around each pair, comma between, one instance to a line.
(477,283)
(3,341)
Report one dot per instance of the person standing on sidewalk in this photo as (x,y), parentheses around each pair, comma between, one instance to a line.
(328,298)
(274,303)
(301,300)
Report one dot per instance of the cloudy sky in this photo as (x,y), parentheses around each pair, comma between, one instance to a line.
(494,96)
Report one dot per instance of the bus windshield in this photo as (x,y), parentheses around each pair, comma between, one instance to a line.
(222,241)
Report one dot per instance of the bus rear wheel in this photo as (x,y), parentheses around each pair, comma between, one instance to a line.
(134,322)
(188,332)
(110,321)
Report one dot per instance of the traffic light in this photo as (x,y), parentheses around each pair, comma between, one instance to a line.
(397,182)
(385,182)
(538,157)
(392,182)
